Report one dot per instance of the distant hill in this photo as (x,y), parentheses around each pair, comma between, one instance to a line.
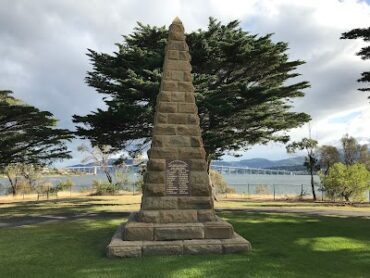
(289,164)
(295,163)
(111,162)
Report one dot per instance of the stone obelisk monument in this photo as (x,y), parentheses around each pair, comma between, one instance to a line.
(177,214)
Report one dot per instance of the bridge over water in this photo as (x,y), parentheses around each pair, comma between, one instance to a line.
(228,170)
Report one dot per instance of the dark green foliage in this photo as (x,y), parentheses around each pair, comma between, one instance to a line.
(364,53)
(242,81)
(28,135)
(328,156)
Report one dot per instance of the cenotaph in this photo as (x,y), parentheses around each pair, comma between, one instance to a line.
(177,212)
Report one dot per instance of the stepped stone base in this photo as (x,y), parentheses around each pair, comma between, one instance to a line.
(135,230)
(131,248)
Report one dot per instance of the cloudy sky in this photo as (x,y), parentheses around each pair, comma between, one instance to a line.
(43,46)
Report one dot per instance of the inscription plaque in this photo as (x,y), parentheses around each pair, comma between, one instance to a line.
(177,177)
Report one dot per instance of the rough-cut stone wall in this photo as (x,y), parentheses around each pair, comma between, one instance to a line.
(176,136)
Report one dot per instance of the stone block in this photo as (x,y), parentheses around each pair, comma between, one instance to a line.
(187,108)
(184,55)
(177,45)
(178,216)
(126,251)
(155,177)
(179,65)
(200,189)
(177,75)
(173,54)
(188,130)
(185,86)
(199,177)
(193,119)
(179,231)
(164,130)
(150,203)
(195,203)
(189,97)
(134,231)
(157,165)
(206,215)
(202,246)
(162,248)
(188,76)
(164,96)
(196,141)
(177,118)
(191,153)
(158,140)
(160,118)
(176,32)
(166,75)
(167,107)
(178,141)
(168,85)
(149,216)
(178,97)
(218,229)
(198,165)
(235,244)
(155,189)
(167,153)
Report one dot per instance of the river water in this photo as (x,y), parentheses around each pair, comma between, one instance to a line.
(242,183)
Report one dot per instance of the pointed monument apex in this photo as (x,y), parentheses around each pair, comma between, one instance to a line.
(177,20)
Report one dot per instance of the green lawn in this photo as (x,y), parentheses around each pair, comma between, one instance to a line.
(86,204)
(284,245)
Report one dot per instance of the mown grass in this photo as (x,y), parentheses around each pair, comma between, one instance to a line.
(79,203)
(284,245)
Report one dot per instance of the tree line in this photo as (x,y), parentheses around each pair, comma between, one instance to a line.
(345,175)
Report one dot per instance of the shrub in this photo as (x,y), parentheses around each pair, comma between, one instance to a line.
(105,188)
(349,182)
(65,185)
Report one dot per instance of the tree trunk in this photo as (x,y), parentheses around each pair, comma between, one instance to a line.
(12,186)
(313,185)
(213,189)
(109,177)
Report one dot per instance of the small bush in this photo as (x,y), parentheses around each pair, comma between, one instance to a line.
(105,188)
(65,185)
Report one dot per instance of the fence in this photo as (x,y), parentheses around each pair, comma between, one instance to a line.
(268,191)
(283,191)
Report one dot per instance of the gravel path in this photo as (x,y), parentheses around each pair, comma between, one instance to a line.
(32,220)
(308,211)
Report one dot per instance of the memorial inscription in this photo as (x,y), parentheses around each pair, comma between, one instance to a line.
(177,177)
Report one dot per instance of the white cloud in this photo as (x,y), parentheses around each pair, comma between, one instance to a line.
(44,44)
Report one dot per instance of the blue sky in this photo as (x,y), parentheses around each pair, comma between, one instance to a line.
(44,44)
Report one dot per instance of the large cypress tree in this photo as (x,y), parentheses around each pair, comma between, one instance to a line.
(364,53)
(28,135)
(243,83)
